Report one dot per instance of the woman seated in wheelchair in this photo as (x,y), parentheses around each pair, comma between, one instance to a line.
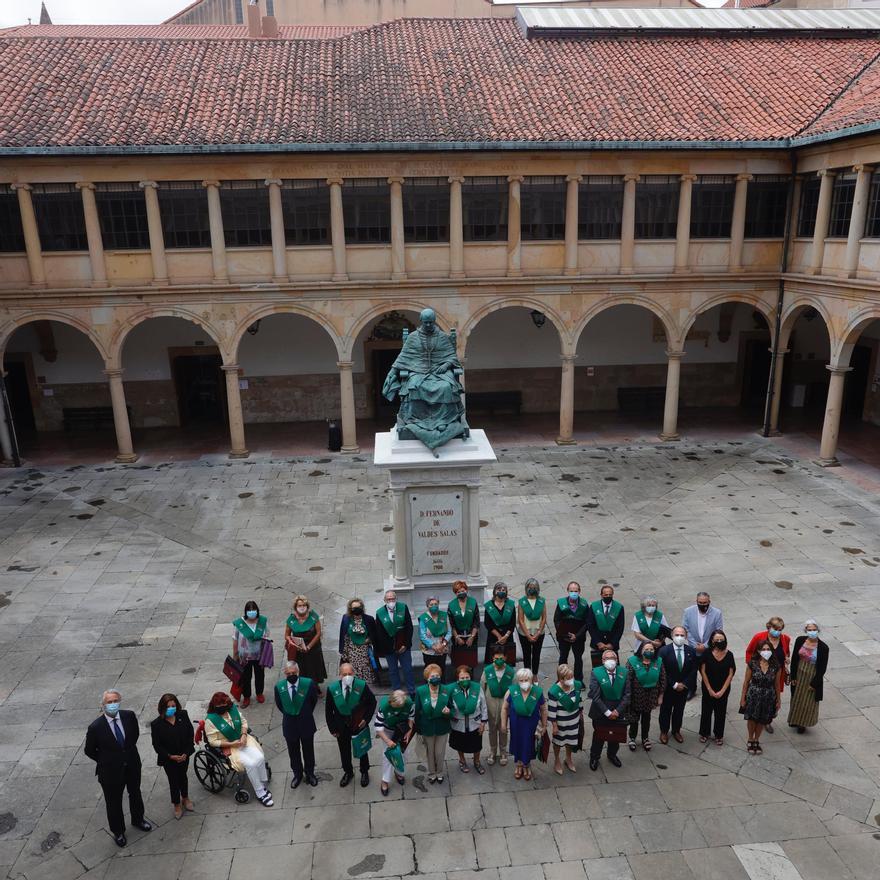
(227,730)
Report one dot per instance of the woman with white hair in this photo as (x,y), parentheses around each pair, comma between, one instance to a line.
(809,660)
(526,712)
(394,724)
(649,625)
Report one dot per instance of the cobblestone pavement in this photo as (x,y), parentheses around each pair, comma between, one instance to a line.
(128,576)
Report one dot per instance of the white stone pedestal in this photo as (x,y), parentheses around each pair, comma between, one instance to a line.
(436,514)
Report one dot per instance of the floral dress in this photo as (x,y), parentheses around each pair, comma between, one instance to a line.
(761,694)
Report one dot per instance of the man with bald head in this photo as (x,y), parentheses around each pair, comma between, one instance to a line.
(111,742)
(349,706)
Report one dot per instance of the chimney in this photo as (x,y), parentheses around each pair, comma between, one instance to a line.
(270,27)
(253,19)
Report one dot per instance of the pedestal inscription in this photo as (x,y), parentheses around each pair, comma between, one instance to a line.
(437,537)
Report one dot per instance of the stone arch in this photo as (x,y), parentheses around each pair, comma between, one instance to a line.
(842,348)
(346,344)
(62,318)
(756,302)
(517,303)
(117,343)
(794,310)
(634,300)
(283,309)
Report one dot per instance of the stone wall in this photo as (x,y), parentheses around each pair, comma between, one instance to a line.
(313,397)
(48,415)
(153,404)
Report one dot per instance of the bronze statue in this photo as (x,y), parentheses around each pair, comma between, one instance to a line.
(426,378)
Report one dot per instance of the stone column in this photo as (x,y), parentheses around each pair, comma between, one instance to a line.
(670,408)
(276,222)
(683,227)
(571,224)
(337,229)
(125,449)
(514,230)
(93,234)
(473,497)
(6,453)
(154,227)
(31,234)
(346,399)
(776,402)
(398,246)
(218,241)
(823,212)
(566,402)
(398,512)
(833,408)
(857,219)
(628,224)
(738,222)
(456,228)
(233,406)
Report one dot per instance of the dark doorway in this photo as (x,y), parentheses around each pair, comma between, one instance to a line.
(857,382)
(19,394)
(756,373)
(383,358)
(199,383)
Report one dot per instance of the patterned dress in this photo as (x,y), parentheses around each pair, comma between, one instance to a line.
(761,694)
(567,719)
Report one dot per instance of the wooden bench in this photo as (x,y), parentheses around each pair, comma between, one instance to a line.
(89,418)
(492,401)
(637,399)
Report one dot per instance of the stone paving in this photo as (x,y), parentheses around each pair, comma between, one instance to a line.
(128,576)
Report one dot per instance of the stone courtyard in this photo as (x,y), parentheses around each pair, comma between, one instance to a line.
(129,576)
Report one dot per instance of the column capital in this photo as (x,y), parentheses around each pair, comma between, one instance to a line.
(745,176)
(687,178)
(632,177)
(867,169)
(209,183)
(272,181)
(334,180)
(345,365)
(674,355)
(148,184)
(574,178)
(837,369)
(231,368)
(568,358)
(515,178)
(395,179)
(826,172)
(84,185)
(25,186)
(455,178)
(113,373)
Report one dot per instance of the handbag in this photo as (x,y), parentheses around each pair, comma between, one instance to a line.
(610,731)
(232,669)
(462,655)
(542,746)
(267,654)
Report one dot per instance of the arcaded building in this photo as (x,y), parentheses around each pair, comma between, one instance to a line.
(202,227)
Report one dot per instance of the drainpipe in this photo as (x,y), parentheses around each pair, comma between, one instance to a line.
(774,357)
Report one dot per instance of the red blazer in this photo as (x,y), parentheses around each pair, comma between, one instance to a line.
(757,638)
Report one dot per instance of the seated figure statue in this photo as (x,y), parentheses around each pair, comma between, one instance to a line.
(426,377)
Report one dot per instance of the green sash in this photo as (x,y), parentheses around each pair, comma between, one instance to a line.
(392,625)
(463,621)
(527,609)
(525,706)
(609,691)
(395,717)
(498,686)
(346,707)
(293,706)
(251,635)
(502,618)
(357,638)
(652,629)
(297,626)
(569,701)
(433,713)
(230,731)
(439,627)
(565,608)
(465,701)
(603,621)
(647,676)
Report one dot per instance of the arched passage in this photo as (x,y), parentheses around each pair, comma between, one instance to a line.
(57,390)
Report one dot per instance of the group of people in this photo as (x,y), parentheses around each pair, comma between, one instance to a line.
(522,720)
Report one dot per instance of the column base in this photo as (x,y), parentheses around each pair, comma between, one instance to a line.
(625,270)
(570,272)
(219,281)
(126,457)
(398,276)
(566,441)
(280,279)
(38,285)
(774,432)
(159,282)
(243,454)
(339,277)
(669,438)
(457,275)
(349,450)
(99,284)
(827,462)
(514,273)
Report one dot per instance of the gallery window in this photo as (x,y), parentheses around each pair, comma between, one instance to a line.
(542,212)
(306,208)
(122,212)
(808,207)
(183,206)
(60,219)
(484,208)
(366,206)
(600,208)
(426,209)
(657,206)
(766,204)
(11,233)
(244,205)
(872,221)
(842,195)
(712,205)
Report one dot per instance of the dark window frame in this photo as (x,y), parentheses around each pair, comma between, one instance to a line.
(183,207)
(122,215)
(766,206)
(305,205)
(484,204)
(843,191)
(366,209)
(600,208)
(542,208)
(61,219)
(808,207)
(660,193)
(426,210)
(244,207)
(11,230)
(872,218)
(712,198)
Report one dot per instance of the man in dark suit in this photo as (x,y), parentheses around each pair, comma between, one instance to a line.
(609,695)
(296,698)
(680,662)
(605,623)
(349,706)
(111,742)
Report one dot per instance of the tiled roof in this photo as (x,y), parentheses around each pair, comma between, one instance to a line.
(419,83)
(176,31)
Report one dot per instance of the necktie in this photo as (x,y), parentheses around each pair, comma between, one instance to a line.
(346,693)
(680,652)
(117,732)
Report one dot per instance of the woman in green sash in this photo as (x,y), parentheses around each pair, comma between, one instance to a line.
(531,622)
(248,632)
(432,720)
(500,621)
(649,625)
(526,712)
(394,725)
(435,635)
(464,618)
(469,717)
(496,682)
(647,681)
(302,636)
(356,640)
(565,714)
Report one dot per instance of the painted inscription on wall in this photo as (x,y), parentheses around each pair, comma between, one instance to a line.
(437,543)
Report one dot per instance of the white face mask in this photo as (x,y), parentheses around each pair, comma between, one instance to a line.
(766,654)
(650,609)
(569,682)
(301,609)
(679,640)
(610,664)
(391,604)
(347,680)
(524,686)
(812,633)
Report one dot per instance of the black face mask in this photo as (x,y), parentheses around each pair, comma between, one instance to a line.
(703,608)
(222,710)
(357,612)
(719,645)
(292,679)
(532,591)
(501,594)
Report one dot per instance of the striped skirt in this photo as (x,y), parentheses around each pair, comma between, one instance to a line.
(567,723)
(804,710)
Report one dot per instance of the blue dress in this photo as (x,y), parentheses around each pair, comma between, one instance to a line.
(522,732)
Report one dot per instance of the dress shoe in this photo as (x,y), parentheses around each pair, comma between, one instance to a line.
(615,760)
(594,763)
(245,702)
(311,779)
(365,779)
(346,778)
(120,840)
(664,738)
(144,825)
(295,781)
(678,737)
(261,698)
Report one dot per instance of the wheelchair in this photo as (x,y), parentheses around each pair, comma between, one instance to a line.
(214,772)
